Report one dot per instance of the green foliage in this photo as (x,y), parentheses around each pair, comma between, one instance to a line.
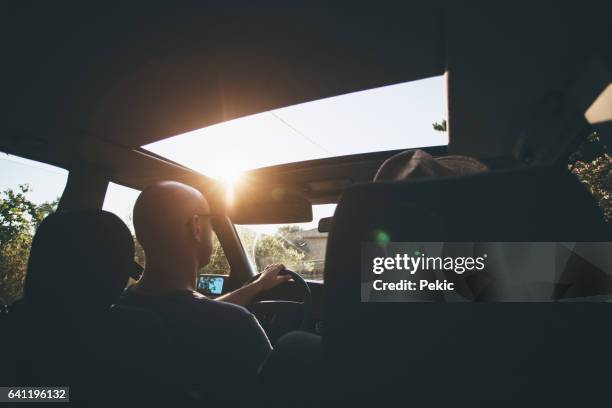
(13,264)
(592,164)
(275,249)
(19,218)
(440,127)
(17,214)
(285,246)
(218,264)
(139,254)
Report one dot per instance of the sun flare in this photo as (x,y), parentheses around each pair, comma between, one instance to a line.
(230,179)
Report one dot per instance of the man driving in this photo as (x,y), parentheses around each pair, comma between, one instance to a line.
(219,340)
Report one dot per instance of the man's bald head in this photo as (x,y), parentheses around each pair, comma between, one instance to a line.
(165,213)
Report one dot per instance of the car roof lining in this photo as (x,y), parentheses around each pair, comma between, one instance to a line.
(82,90)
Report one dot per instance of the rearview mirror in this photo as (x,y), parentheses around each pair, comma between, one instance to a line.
(325,224)
(271,213)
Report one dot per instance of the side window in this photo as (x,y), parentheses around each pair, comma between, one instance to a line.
(218,264)
(120,201)
(29,191)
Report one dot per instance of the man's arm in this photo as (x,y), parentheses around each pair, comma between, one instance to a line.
(268,279)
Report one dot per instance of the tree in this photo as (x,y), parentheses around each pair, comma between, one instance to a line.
(440,127)
(218,264)
(592,164)
(279,247)
(19,218)
(16,214)
(273,249)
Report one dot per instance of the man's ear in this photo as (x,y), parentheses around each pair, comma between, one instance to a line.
(196,228)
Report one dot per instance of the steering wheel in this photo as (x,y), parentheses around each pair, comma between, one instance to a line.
(267,311)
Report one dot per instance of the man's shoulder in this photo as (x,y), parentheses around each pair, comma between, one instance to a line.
(189,302)
(218,305)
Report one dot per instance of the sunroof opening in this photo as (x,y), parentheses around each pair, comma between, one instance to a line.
(392,117)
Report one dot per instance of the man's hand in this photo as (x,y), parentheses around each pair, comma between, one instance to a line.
(270,277)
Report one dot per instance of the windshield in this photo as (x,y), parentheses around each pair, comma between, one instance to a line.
(387,118)
(300,247)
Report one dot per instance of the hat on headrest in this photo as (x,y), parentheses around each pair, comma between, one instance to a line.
(413,164)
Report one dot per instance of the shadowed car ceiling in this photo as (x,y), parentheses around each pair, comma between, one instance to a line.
(119,77)
(134,75)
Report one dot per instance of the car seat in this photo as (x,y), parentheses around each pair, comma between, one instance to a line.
(462,354)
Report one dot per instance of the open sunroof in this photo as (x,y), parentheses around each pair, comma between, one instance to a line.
(392,117)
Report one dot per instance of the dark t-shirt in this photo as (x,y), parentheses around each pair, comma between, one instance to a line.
(216,343)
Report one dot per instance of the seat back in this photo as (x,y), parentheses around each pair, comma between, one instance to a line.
(462,353)
(60,331)
(138,344)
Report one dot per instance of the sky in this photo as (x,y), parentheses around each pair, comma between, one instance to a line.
(386,118)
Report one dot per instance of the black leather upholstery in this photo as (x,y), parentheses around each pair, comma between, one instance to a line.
(466,354)
(138,343)
(62,331)
(292,374)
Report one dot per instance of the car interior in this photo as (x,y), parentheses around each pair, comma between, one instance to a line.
(86,87)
